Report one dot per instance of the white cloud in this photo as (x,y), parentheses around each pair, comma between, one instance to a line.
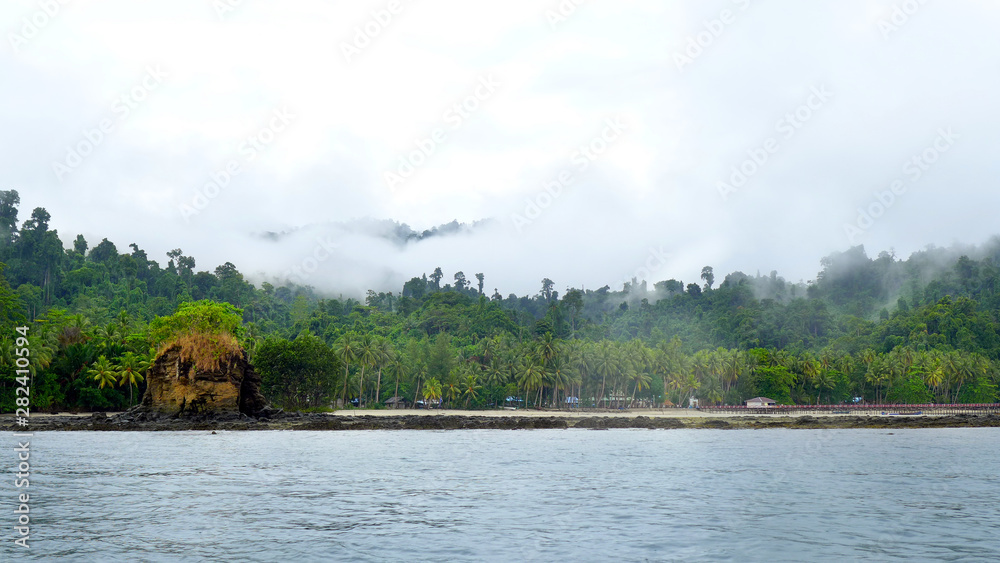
(656,187)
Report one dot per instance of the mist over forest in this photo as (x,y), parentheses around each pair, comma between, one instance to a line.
(924,328)
(272,251)
(620,205)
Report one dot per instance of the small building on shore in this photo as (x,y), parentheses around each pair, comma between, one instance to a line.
(397,402)
(758,402)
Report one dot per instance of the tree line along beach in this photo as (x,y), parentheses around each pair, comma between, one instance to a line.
(106,325)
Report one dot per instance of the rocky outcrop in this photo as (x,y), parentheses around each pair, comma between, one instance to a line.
(175,387)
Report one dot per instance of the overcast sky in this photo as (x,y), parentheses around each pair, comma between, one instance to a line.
(645,109)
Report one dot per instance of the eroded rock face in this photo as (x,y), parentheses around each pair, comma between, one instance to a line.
(175,387)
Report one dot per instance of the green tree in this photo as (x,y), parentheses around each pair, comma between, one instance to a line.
(346,349)
(709,276)
(103,372)
(432,390)
(298,374)
(131,372)
(471,389)
(367,357)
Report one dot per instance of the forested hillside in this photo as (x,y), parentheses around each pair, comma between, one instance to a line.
(923,329)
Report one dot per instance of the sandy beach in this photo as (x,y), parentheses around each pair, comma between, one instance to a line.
(360,419)
(631,413)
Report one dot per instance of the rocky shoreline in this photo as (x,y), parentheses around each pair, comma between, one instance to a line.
(143,421)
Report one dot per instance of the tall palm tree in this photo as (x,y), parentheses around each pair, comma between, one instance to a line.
(934,379)
(734,367)
(487,350)
(131,371)
(420,373)
(878,374)
(111,334)
(822,381)
(811,370)
(103,372)
(606,364)
(531,376)
(548,348)
(952,365)
(845,364)
(642,381)
(367,356)
(906,359)
(347,351)
(672,366)
(471,389)
(125,322)
(397,370)
(714,365)
(971,369)
(638,360)
(496,375)
(558,377)
(712,391)
(383,355)
(452,389)
(868,358)
(580,362)
(252,339)
(432,389)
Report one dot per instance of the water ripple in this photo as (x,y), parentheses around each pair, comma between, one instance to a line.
(621,495)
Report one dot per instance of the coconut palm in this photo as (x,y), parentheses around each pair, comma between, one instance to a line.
(548,348)
(822,381)
(125,322)
(496,375)
(112,336)
(347,351)
(131,371)
(951,363)
(714,365)
(471,389)
(103,372)
(672,367)
(641,380)
(559,378)
(452,389)
(845,364)
(810,369)
(432,389)
(868,358)
(487,350)
(711,391)
(878,374)
(383,355)
(420,373)
(580,362)
(531,375)
(367,356)
(732,367)
(396,369)
(606,364)
(252,339)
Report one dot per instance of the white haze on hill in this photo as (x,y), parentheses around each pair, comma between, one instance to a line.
(884,79)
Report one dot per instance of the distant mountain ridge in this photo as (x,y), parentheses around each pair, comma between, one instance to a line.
(387,229)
